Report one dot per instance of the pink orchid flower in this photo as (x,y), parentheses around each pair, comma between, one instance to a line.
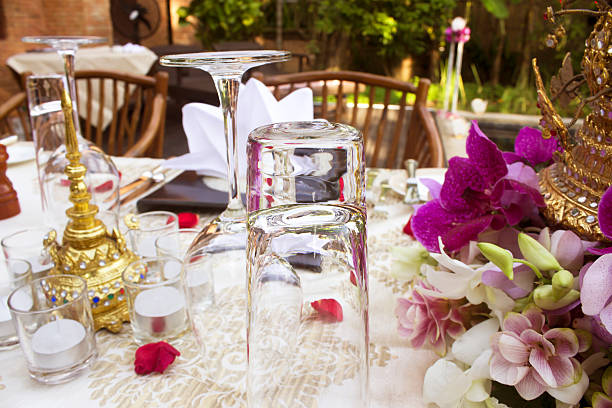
(596,291)
(533,359)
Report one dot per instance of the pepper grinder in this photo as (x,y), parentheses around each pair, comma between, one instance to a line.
(9,204)
(412,190)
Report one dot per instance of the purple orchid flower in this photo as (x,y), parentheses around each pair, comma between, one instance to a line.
(478,192)
(532,148)
(519,287)
(604,216)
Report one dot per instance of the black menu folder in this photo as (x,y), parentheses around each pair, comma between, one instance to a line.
(187,192)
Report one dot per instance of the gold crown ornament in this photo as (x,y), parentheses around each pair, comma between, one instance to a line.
(574,184)
(88,249)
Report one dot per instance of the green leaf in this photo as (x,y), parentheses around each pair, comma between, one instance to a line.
(501,257)
(497,8)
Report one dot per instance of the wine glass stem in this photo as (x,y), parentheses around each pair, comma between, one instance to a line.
(227,88)
(69,60)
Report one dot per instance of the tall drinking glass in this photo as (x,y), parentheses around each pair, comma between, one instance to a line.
(44,94)
(306,263)
(102,174)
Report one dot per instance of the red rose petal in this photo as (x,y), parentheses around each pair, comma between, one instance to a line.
(269,181)
(158,324)
(154,357)
(341,198)
(353,278)
(328,309)
(64,182)
(188,220)
(408,228)
(107,185)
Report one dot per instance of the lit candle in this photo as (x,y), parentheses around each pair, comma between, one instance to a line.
(60,343)
(160,310)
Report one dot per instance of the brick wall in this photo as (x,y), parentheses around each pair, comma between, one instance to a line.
(19,18)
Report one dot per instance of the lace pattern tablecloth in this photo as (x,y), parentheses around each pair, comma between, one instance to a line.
(217,379)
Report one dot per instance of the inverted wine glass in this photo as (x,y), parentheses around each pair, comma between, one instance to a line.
(102,174)
(67,46)
(227,69)
(218,253)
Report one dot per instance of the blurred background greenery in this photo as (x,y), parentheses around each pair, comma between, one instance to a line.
(405,39)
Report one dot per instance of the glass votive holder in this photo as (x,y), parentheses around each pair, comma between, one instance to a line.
(28,244)
(175,243)
(54,324)
(13,274)
(156,300)
(146,227)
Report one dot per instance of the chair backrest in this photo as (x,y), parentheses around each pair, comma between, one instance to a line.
(133,119)
(14,114)
(392,132)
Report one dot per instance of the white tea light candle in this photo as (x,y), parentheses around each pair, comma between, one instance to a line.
(59,343)
(160,310)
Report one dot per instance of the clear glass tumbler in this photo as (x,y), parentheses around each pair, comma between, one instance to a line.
(305,162)
(306,263)
(145,228)
(175,243)
(156,300)
(28,244)
(44,93)
(308,306)
(13,274)
(47,121)
(55,327)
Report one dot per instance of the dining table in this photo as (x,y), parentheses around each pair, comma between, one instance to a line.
(128,58)
(217,376)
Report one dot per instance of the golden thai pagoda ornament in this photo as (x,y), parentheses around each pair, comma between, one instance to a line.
(88,249)
(574,184)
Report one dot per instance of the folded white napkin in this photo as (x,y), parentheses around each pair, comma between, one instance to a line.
(203,125)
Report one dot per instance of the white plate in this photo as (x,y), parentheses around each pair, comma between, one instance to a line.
(20,152)
(397,182)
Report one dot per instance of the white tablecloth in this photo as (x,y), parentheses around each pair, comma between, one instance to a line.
(134,60)
(217,379)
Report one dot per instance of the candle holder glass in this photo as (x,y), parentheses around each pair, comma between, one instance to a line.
(13,274)
(54,324)
(145,228)
(156,300)
(28,244)
(175,243)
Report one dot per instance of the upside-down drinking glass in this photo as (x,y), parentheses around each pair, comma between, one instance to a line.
(306,264)
(102,174)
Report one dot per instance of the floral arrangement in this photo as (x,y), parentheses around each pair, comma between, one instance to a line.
(514,310)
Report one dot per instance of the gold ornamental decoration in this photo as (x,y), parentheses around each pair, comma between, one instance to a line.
(88,249)
(574,184)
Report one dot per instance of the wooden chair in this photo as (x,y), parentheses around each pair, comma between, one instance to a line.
(14,111)
(138,111)
(412,134)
